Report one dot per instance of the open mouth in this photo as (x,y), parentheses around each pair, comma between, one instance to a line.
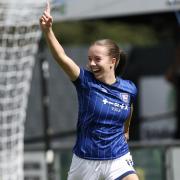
(96,71)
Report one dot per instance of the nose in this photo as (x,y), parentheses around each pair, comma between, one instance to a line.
(92,63)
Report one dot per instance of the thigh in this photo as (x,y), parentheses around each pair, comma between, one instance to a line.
(82,169)
(131,177)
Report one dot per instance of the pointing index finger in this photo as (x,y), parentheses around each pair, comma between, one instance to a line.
(48,10)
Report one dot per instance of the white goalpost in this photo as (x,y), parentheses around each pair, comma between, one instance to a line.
(19,36)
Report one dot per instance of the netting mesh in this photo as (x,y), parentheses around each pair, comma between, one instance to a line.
(19,36)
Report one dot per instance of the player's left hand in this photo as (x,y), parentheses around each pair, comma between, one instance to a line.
(126,136)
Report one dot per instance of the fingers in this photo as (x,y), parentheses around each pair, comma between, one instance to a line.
(126,136)
(48,9)
(47,15)
(46,18)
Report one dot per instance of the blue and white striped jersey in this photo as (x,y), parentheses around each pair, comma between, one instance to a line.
(103,110)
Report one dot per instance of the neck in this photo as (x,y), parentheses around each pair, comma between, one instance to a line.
(109,80)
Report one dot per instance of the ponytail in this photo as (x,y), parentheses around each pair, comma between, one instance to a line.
(121,65)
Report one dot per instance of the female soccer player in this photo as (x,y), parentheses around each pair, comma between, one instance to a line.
(105,107)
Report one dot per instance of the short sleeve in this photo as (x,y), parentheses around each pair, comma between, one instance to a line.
(133,92)
(83,78)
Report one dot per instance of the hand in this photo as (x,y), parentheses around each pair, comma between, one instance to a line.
(126,136)
(46,19)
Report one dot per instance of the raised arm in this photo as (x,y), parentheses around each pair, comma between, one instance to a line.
(66,63)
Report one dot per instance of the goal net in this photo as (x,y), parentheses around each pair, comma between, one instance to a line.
(19,36)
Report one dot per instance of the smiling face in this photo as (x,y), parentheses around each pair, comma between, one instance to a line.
(101,64)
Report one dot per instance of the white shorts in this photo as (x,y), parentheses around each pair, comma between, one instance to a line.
(83,169)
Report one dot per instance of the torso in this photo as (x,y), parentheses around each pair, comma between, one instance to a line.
(103,110)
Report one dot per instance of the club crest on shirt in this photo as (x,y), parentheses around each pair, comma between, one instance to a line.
(124,97)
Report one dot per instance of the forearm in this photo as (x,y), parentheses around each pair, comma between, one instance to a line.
(54,46)
(66,63)
(127,123)
(126,128)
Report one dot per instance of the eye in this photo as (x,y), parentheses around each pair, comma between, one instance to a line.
(89,58)
(97,59)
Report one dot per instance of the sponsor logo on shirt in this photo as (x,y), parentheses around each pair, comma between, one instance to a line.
(121,106)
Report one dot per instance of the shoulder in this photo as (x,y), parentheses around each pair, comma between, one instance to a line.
(84,77)
(85,74)
(128,86)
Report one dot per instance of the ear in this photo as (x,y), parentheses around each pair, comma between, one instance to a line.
(113,61)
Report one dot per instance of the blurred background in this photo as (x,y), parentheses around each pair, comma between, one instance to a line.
(149,32)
